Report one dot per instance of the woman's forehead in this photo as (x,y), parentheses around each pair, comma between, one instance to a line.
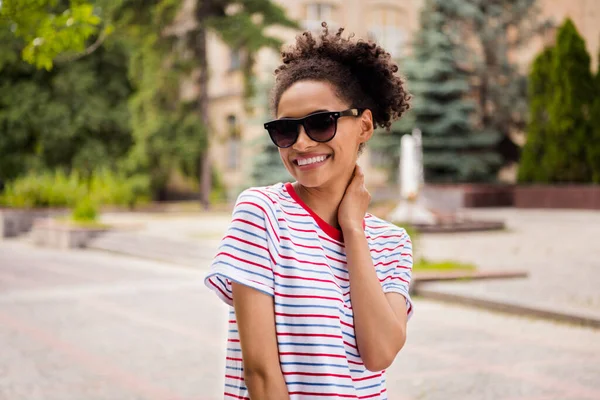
(306,97)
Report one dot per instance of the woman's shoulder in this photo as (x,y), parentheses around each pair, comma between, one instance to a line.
(265,196)
(380,229)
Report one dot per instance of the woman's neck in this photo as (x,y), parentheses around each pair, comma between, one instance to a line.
(324,201)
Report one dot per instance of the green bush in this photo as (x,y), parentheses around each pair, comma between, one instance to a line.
(57,189)
(217,194)
(109,188)
(85,211)
(43,190)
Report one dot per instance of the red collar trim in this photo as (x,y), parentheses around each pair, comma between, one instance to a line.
(330,230)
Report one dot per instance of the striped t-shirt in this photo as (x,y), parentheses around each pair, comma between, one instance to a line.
(277,245)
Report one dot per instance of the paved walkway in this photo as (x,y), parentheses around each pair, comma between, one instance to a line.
(99,326)
(556,247)
(559,249)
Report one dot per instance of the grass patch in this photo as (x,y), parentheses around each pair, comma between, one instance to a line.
(424,265)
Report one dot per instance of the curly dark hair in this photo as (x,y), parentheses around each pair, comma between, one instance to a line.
(362,72)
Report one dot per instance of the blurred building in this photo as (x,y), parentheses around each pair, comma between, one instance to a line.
(236,133)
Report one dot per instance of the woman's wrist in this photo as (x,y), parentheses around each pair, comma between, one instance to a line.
(352,229)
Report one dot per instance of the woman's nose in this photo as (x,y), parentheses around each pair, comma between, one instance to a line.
(304,141)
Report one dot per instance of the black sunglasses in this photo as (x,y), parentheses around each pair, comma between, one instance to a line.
(320,127)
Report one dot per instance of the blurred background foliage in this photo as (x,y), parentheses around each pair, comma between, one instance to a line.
(95,85)
(90,91)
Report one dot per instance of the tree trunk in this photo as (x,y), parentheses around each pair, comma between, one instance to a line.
(205,165)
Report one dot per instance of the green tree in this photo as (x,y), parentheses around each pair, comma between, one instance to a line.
(171,132)
(493,29)
(242,25)
(167,132)
(594,150)
(539,93)
(566,153)
(72,117)
(452,150)
(51,28)
(484,33)
(267,167)
(562,145)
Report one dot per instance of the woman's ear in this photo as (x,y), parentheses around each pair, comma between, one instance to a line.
(367,126)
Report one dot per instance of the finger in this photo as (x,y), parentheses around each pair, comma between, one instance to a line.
(358,171)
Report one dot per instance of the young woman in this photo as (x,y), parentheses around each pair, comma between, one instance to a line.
(319,287)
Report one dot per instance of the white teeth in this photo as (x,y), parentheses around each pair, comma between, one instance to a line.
(307,161)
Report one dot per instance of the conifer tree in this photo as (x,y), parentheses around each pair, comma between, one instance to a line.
(537,128)
(562,143)
(565,156)
(452,150)
(267,167)
(594,148)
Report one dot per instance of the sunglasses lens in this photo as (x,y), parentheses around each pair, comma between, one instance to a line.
(320,127)
(283,133)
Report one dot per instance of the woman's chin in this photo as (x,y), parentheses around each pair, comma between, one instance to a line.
(311,181)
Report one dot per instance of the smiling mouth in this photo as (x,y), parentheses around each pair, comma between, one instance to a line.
(309,161)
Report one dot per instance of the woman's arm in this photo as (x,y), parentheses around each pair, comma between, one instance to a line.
(256,324)
(379,318)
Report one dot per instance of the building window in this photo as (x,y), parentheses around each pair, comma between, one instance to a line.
(233,143)
(386,28)
(317,13)
(235,59)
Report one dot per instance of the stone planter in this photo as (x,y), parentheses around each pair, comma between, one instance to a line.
(460,195)
(474,195)
(585,197)
(63,235)
(15,222)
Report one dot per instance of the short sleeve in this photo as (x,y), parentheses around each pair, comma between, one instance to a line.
(246,254)
(397,279)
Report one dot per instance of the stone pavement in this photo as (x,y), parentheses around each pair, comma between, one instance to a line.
(89,325)
(559,249)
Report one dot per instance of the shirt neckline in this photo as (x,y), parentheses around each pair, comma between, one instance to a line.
(329,229)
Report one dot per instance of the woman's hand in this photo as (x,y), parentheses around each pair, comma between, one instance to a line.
(355,202)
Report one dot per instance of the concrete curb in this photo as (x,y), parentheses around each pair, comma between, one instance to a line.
(510,307)
(436,276)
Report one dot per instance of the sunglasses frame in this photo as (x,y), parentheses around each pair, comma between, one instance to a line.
(351,112)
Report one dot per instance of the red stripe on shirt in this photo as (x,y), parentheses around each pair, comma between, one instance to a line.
(224,253)
(316,374)
(219,289)
(265,215)
(251,244)
(295,353)
(393,277)
(235,396)
(347,396)
(387,249)
(378,375)
(307,315)
(309,334)
(300,296)
(304,278)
